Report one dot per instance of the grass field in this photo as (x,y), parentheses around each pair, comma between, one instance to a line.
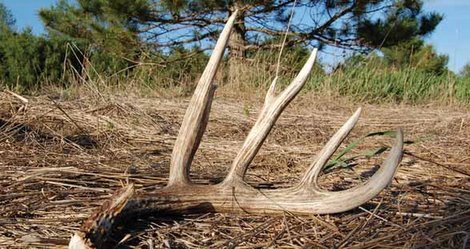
(63,154)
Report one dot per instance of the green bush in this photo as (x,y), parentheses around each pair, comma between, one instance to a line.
(28,60)
(375,85)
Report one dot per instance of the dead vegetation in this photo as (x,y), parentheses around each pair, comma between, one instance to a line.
(60,159)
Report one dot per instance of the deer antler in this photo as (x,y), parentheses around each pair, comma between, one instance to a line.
(233,194)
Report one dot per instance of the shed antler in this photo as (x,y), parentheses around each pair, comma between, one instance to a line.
(233,194)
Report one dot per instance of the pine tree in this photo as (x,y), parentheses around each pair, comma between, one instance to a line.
(360,25)
(27,60)
(465,71)
(106,30)
(416,54)
(6,18)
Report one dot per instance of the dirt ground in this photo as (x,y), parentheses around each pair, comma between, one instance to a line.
(60,159)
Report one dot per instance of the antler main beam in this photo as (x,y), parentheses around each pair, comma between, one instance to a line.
(233,194)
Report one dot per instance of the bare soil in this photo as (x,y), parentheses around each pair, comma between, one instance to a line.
(60,159)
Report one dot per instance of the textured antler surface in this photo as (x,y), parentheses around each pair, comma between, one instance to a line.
(196,117)
(233,194)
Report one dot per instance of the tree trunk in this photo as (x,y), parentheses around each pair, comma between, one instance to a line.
(236,47)
(237,41)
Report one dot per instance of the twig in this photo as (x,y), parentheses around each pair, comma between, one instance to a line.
(379,217)
(21,98)
(419,215)
(67,115)
(278,67)
(437,163)
(346,240)
(77,186)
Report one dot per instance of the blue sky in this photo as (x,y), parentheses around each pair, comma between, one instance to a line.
(452,36)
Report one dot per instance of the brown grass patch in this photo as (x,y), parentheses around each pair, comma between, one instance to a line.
(60,159)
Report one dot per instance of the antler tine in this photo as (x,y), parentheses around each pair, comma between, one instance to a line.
(311,175)
(272,109)
(340,201)
(197,113)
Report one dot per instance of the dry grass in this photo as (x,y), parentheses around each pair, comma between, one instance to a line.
(60,159)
